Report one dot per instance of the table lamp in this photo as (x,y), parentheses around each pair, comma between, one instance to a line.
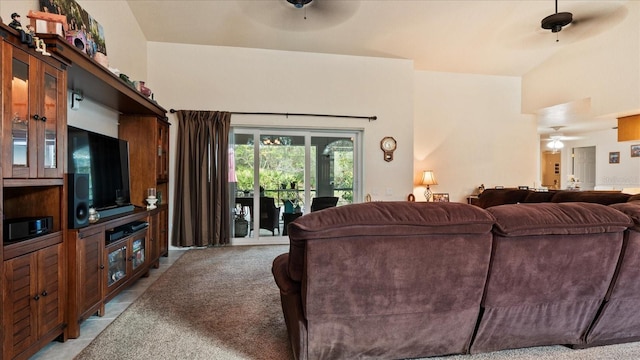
(428,178)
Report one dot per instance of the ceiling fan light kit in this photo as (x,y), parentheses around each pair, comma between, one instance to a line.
(299,4)
(557,21)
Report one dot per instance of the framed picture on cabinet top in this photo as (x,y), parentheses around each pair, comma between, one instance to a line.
(440,197)
(614,157)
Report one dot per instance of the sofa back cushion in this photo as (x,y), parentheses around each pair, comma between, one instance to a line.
(375,220)
(598,197)
(619,319)
(554,218)
(550,270)
(539,196)
(494,197)
(391,279)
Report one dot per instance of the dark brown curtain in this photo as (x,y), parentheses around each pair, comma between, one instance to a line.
(201,205)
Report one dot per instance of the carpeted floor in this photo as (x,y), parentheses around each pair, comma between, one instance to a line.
(222,303)
(215,303)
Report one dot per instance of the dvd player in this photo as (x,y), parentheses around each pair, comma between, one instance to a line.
(19,229)
(117,233)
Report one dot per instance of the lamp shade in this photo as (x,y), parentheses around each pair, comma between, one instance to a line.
(428,178)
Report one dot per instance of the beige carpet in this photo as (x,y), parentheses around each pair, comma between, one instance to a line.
(222,303)
(215,303)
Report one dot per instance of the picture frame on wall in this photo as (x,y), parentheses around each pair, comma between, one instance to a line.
(614,157)
(635,150)
(441,197)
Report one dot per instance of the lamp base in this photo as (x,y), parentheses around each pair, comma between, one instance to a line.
(427,193)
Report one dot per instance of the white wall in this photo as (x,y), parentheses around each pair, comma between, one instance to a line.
(253,80)
(626,174)
(469,131)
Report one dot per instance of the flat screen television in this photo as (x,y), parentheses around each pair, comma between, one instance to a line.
(106,160)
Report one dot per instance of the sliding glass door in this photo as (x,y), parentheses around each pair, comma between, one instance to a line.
(277,175)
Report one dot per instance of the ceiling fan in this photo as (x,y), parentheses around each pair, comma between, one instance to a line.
(598,15)
(555,139)
(300,15)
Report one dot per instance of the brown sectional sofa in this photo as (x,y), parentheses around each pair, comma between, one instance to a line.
(494,197)
(392,280)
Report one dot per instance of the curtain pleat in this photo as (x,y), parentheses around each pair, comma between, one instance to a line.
(201,205)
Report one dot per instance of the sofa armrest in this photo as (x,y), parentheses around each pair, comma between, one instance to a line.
(280,273)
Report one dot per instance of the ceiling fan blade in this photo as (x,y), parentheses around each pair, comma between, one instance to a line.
(595,18)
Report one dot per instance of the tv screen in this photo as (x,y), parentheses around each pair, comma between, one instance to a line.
(106,160)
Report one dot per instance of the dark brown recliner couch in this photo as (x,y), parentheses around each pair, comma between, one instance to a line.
(619,320)
(392,280)
(551,267)
(384,280)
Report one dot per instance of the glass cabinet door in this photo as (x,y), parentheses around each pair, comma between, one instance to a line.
(18,147)
(138,252)
(34,117)
(50,120)
(116,264)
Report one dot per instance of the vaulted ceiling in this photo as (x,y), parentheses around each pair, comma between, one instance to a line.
(494,37)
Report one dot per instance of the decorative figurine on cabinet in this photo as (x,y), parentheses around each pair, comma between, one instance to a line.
(15,22)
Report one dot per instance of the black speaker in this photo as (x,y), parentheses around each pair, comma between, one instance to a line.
(78,190)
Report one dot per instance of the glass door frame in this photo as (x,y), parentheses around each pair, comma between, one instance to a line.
(307,133)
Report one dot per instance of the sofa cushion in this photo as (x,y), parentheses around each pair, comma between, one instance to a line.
(598,197)
(555,218)
(631,209)
(383,219)
(538,196)
(494,197)
(635,197)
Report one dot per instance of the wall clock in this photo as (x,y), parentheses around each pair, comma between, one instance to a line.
(388,146)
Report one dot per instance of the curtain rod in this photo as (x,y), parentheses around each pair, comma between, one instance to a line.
(370,118)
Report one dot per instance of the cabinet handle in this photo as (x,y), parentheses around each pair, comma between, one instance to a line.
(36,298)
(101,267)
(36,117)
(44,293)
(44,119)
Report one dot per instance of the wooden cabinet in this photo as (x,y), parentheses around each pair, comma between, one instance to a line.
(34,115)
(33,136)
(33,300)
(51,283)
(159,238)
(99,267)
(148,154)
(125,260)
(86,276)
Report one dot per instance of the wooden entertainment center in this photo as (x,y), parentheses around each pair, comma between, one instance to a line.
(54,281)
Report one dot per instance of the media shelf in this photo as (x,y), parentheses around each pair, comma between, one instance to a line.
(109,256)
